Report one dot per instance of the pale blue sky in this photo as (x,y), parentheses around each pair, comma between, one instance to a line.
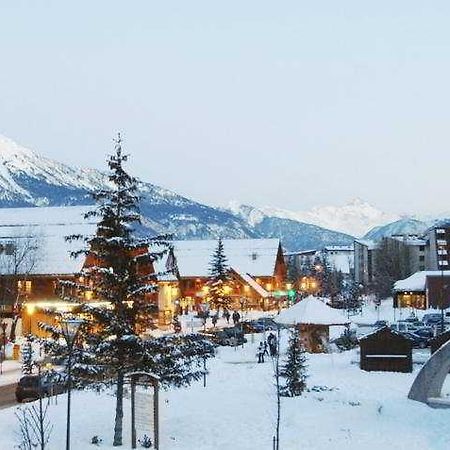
(295,103)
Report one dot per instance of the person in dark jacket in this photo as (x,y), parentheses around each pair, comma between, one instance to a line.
(272,340)
(236,317)
(226,315)
(260,352)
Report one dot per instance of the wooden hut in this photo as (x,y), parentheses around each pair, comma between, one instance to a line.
(387,351)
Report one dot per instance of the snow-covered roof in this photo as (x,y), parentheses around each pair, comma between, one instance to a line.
(417,281)
(257,287)
(256,257)
(47,227)
(339,248)
(311,310)
(301,253)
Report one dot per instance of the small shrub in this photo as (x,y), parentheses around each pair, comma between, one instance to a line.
(145,442)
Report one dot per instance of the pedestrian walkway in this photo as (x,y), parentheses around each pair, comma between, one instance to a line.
(11,372)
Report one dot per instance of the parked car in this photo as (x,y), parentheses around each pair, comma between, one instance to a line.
(380,324)
(233,336)
(418,341)
(264,324)
(426,332)
(402,327)
(432,319)
(31,387)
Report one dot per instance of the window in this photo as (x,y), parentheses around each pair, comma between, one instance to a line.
(24,286)
(421,248)
(421,258)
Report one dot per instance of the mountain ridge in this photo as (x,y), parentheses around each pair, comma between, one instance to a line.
(28,178)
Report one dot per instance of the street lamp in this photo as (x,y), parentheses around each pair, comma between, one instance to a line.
(70,328)
(30,311)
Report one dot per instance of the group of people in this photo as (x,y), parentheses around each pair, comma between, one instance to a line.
(267,347)
(236,317)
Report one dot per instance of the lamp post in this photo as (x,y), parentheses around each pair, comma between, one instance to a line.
(70,328)
(30,308)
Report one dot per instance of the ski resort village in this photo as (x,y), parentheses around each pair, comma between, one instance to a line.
(224,225)
(133,317)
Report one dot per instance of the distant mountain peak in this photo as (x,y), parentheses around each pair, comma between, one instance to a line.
(404,226)
(356,217)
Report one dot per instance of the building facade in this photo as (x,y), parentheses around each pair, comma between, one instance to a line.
(438,247)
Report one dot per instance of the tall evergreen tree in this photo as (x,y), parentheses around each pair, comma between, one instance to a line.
(220,282)
(294,370)
(119,271)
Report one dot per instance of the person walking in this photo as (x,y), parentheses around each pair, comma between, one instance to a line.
(226,315)
(272,340)
(260,353)
(214,320)
(236,317)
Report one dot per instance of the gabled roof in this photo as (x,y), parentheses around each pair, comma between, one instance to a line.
(417,281)
(254,285)
(256,257)
(47,226)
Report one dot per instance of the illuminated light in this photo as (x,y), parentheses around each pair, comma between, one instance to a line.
(288,286)
(246,288)
(227,289)
(88,295)
(268,286)
(303,286)
(205,289)
(30,309)
(313,284)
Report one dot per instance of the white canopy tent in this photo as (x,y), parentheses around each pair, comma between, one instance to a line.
(312,311)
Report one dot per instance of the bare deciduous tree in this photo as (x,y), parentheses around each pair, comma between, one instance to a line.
(34,426)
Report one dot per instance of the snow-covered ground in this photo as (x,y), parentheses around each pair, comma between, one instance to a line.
(11,372)
(352,409)
(346,408)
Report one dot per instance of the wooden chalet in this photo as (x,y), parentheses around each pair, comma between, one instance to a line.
(32,289)
(385,350)
(257,266)
(423,290)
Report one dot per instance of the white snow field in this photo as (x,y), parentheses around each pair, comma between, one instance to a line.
(352,409)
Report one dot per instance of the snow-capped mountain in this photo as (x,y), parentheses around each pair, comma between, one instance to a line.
(295,234)
(405,226)
(30,179)
(355,218)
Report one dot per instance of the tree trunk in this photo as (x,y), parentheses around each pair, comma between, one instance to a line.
(118,425)
(12,332)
